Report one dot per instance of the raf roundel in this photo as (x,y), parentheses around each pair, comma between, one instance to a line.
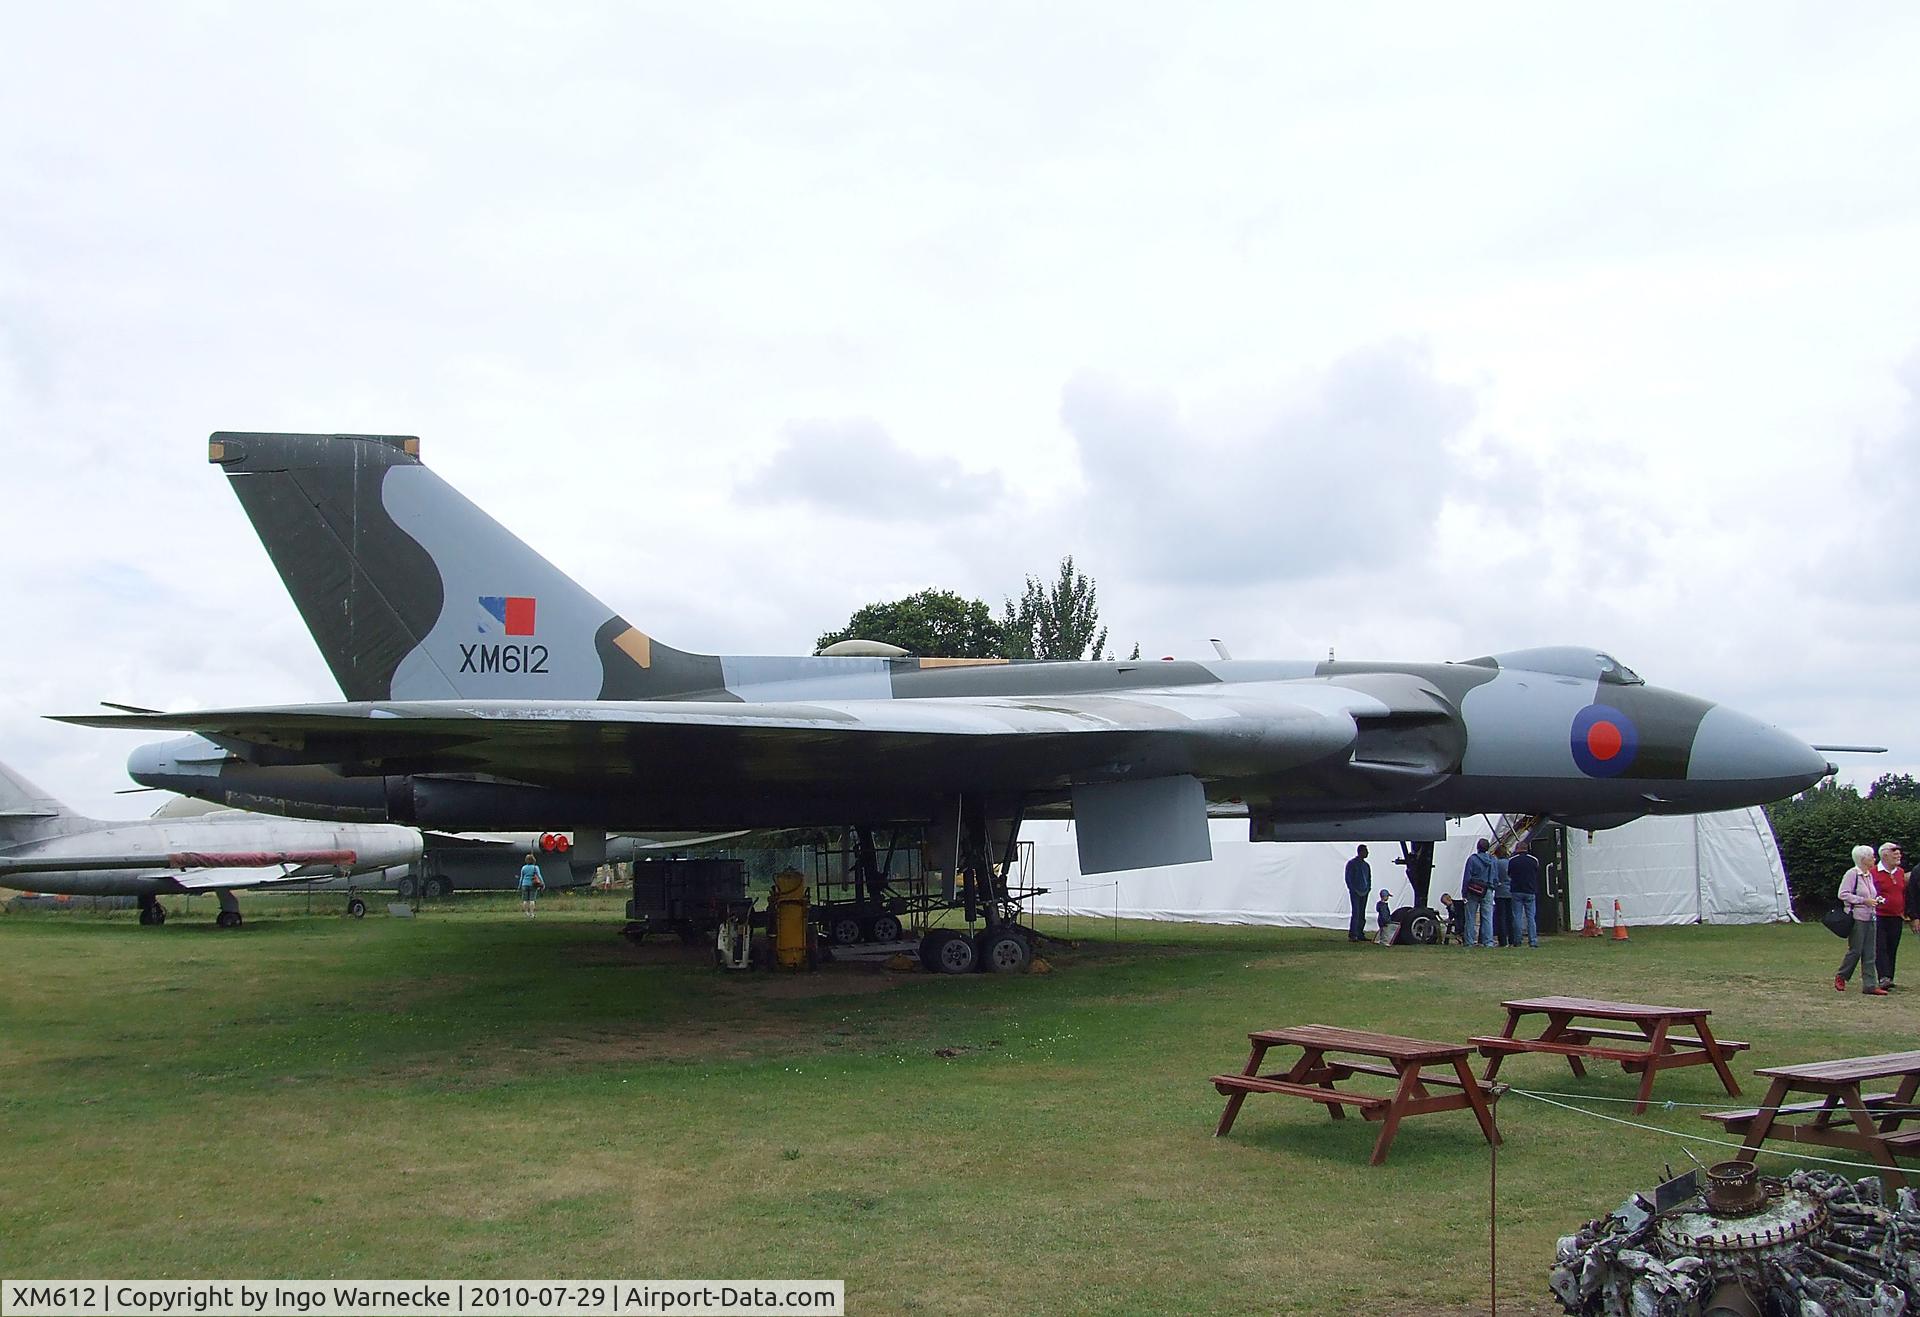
(1604,740)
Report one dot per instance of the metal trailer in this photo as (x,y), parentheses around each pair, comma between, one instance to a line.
(868,901)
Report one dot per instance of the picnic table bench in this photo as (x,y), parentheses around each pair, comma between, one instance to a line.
(1315,1073)
(1660,1032)
(1873,1121)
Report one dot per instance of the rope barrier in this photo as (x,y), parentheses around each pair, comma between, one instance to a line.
(1701,1138)
(1875,1112)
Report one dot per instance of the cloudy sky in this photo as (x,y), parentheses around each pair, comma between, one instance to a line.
(1407,331)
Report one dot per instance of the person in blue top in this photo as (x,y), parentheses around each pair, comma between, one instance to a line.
(1476,885)
(1502,901)
(1523,872)
(530,883)
(1359,883)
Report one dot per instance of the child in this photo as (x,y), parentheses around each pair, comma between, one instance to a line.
(1382,911)
(1456,917)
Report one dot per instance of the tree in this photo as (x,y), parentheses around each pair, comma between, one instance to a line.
(932,623)
(1060,621)
(1894,786)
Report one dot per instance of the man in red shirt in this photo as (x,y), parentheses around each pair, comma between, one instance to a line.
(1891,881)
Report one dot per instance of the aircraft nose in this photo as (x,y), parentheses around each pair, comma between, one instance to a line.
(166,763)
(1732,747)
(150,763)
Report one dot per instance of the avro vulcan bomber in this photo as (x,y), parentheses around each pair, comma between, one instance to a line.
(486,689)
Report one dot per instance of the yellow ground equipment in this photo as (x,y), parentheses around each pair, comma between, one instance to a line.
(787,920)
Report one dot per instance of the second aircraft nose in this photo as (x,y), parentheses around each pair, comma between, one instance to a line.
(166,763)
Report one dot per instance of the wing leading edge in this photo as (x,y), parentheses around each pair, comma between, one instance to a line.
(712,765)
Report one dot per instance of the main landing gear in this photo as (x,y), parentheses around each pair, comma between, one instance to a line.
(229,916)
(152,913)
(1003,946)
(1007,949)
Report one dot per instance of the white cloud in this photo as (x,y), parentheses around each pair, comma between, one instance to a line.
(1344,474)
(854,469)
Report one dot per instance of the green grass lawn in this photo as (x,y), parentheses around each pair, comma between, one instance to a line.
(472,1094)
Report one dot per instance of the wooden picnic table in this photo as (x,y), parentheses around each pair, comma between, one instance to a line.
(1875,1119)
(1314,1075)
(1661,1038)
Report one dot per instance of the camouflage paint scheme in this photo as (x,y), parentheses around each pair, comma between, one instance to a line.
(46,847)
(487,689)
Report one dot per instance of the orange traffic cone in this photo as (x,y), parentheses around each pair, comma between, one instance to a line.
(1591,927)
(1619,929)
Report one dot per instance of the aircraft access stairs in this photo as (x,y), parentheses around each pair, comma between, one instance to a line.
(1513,828)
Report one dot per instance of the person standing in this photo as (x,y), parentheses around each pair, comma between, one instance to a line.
(1502,901)
(1476,885)
(1890,880)
(1359,883)
(1913,900)
(1523,876)
(1861,897)
(530,884)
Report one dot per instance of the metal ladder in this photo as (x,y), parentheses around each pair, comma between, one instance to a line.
(1513,828)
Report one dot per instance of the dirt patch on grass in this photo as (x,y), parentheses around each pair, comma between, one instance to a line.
(827,981)
(736,1042)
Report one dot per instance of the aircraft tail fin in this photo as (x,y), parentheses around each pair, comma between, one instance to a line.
(413,593)
(28,813)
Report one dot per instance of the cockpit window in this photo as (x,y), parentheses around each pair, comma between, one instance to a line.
(1570,661)
(1616,673)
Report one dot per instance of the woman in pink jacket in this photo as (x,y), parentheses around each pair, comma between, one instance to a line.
(1862,898)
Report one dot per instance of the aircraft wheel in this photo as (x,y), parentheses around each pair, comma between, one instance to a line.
(952,952)
(884,928)
(228,919)
(357,908)
(1424,929)
(407,888)
(435,888)
(151,915)
(1005,952)
(844,930)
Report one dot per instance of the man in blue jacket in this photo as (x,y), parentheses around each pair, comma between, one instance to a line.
(1359,883)
(1476,885)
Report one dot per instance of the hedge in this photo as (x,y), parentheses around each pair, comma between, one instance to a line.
(1817,832)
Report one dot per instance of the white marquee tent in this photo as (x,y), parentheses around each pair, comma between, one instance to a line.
(1711,868)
